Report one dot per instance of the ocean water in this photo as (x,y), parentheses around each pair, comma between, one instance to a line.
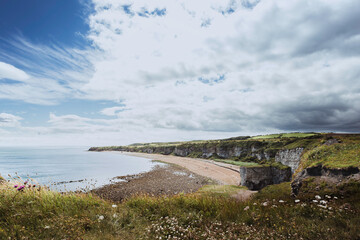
(69,168)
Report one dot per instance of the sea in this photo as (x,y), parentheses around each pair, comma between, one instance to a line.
(68,168)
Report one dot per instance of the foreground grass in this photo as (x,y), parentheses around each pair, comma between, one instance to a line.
(35,213)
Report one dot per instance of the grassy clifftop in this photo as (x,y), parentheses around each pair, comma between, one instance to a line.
(330,150)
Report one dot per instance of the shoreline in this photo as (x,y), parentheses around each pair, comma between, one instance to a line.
(225,174)
(177,175)
(161,180)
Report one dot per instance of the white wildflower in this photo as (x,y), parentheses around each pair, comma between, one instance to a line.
(323,202)
(297,201)
(322,206)
(47,227)
(101,217)
(315,201)
(317,197)
(115,215)
(264,204)
(114,206)
(327,196)
(246,208)
(335,198)
(281,201)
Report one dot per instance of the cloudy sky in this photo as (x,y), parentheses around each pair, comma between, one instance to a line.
(111,72)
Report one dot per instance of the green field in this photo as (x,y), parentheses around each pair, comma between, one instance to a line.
(211,213)
(284,135)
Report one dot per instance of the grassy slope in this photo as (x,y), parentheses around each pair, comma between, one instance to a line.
(341,155)
(209,214)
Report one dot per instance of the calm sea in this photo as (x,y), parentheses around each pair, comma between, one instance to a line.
(77,167)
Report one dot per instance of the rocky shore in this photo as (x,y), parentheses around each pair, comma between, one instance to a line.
(162,180)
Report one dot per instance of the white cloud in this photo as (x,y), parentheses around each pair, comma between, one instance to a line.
(112,111)
(9,120)
(199,69)
(279,52)
(11,72)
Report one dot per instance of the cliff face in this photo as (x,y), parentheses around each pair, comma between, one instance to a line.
(290,157)
(321,173)
(208,151)
(256,178)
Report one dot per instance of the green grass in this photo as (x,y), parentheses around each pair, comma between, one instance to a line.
(208,214)
(284,135)
(238,163)
(220,190)
(341,155)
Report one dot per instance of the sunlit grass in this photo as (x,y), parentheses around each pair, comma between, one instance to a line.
(341,155)
(38,213)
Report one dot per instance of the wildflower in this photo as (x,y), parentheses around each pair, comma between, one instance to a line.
(317,197)
(264,204)
(281,201)
(315,201)
(15,186)
(21,188)
(255,203)
(26,182)
(323,202)
(47,227)
(101,217)
(322,206)
(303,204)
(115,215)
(327,196)
(335,198)
(246,208)
(114,206)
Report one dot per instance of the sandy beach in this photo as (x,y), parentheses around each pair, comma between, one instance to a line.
(223,173)
(180,175)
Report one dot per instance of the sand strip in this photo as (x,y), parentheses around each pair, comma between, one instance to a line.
(224,173)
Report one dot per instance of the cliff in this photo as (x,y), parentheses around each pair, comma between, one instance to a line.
(279,156)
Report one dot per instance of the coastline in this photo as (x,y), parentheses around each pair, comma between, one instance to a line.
(161,180)
(225,174)
(177,175)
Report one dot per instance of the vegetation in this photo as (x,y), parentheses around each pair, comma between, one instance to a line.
(38,213)
(340,155)
(344,153)
(238,163)
(285,135)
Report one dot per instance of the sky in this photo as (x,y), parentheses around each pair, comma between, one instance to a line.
(111,72)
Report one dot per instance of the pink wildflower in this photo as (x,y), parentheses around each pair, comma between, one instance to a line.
(26,182)
(15,186)
(21,188)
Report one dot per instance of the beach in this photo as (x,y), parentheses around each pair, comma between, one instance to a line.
(223,173)
(178,175)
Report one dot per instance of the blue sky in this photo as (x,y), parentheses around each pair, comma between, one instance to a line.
(43,21)
(75,72)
